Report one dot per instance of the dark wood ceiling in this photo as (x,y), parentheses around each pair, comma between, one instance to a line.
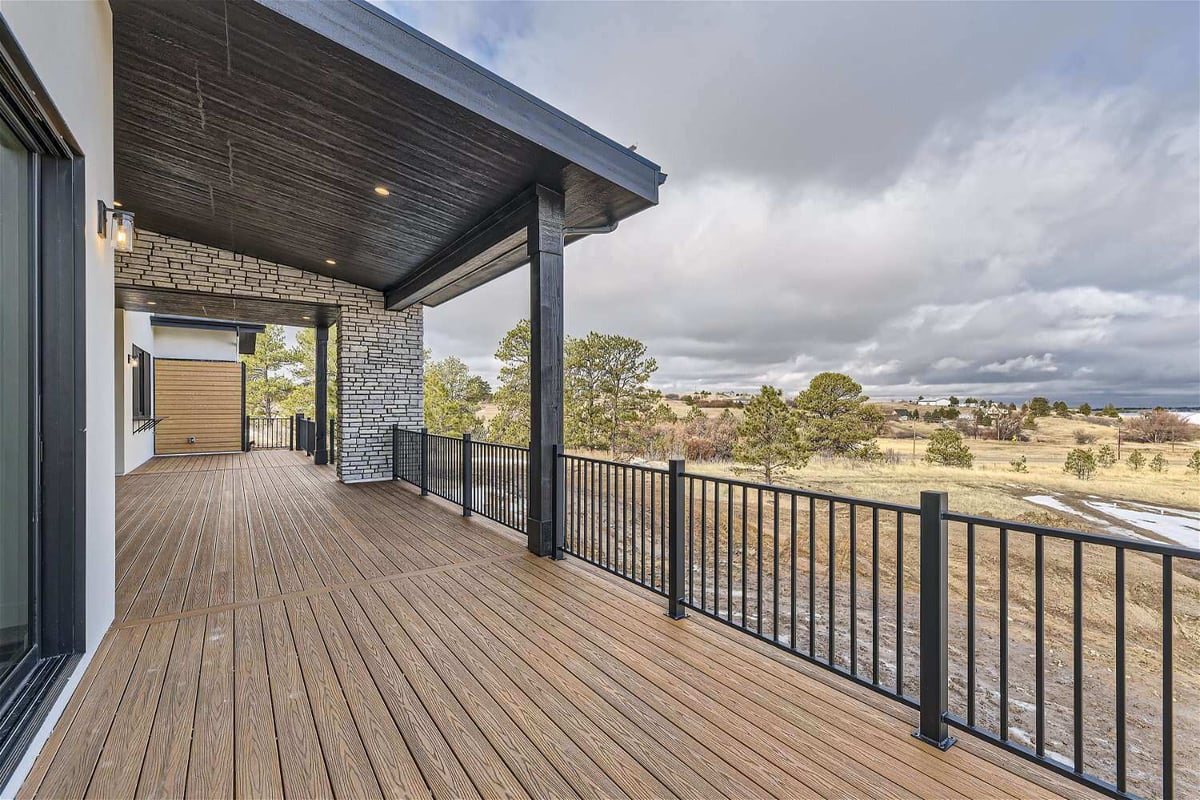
(225,307)
(242,128)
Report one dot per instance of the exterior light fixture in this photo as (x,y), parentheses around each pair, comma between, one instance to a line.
(115,225)
(151,302)
(131,360)
(331,262)
(382,191)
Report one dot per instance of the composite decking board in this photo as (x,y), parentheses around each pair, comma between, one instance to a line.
(833,702)
(350,771)
(120,763)
(775,769)
(256,772)
(442,771)
(301,761)
(395,767)
(766,712)
(74,761)
(42,764)
(139,593)
(580,739)
(174,588)
(450,664)
(487,768)
(164,770)
(642,737)
(892,758)
(504,708)
(211,761)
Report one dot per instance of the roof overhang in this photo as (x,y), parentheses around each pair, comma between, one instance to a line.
(263,127)
(246,332)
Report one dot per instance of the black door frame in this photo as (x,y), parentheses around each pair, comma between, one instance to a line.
(59,304)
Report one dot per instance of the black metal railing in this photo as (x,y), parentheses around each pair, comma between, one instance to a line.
(489,479)
(615,517)
(829,578)
(269,433)
(306,434)
(1021,635)
(1044,645)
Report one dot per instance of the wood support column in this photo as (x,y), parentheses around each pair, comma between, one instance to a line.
(321,445)
(545,244)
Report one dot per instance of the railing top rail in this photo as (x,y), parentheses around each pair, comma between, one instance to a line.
(592,460)
(1143,545)
(899,508)
(474,441)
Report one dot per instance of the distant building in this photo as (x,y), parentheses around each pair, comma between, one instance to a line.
(934,401)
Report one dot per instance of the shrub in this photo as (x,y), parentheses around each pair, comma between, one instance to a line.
(1019,465)
(1081,463)
(1158,463)
(1105,456)
(1084,436)
(947,449)
(1136,460)
(1193,464)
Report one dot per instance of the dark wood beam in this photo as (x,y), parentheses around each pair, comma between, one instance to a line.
(498,236)
(545,248)
(321,450)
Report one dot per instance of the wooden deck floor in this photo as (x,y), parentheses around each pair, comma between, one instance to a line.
(282,634)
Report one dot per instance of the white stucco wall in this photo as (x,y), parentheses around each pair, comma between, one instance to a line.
(195,343)
(69,44)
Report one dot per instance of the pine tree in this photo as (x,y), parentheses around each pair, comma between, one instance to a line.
(1080,463)
(947,449)
(451,406)
(1136,460)
(1193,463)
(836,418)
(768,437)
(302,398)
(512,396)
(268,378)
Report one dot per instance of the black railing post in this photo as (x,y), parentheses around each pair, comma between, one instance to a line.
(466,474)
(675,550)
(291,433)
(934,591)
(332,440)
(395,452)
(560,502)
(424,461)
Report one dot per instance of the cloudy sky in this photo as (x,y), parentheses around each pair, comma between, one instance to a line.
(999,200)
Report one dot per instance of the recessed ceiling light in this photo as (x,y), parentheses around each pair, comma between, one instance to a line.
(306,317)
(116,203)
(382,191)
(151,303)
(330,262)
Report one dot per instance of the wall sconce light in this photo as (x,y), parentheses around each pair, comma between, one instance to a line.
(116,225)
(131,360)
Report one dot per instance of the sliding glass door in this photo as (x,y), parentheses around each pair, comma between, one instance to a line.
(18,441)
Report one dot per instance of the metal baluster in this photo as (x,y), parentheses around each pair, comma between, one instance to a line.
(1004,634)
(971,624)
(1039,680)
(1122,749)
(1077,637)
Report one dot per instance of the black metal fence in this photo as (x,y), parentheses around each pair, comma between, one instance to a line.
(269,433)
(306,435)
(483,477)
(615,516)
(1018,634)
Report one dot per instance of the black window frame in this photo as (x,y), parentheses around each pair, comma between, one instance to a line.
(143,384)
(59,431)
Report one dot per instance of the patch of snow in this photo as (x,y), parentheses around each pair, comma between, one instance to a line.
(1179,526)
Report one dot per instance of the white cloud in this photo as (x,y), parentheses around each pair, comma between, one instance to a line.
(903,207)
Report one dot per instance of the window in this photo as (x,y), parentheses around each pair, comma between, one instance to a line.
(143,388)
